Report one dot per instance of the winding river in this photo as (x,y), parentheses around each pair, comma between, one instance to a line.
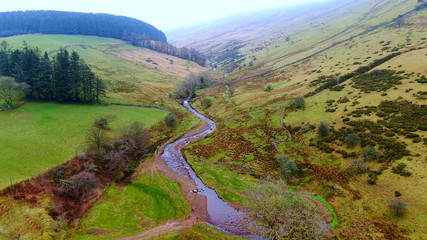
(222,216)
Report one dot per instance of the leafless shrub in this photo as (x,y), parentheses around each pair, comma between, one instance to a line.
(369,153)
(358,166)
(282,214)
(140,135)
(397,207)
(116,161)
(78,186)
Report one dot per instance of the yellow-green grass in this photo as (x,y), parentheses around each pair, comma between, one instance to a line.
(129,80)
(39,136)
(127,210)
(200,231)
(162,62)
(31,222)
(228,184)
(293,81)
(251,96)
(308,35)
(375,198)
(341,58)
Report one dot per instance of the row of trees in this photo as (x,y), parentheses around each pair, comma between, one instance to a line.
(193,83)
(73,23)
(164,47)
(66,78)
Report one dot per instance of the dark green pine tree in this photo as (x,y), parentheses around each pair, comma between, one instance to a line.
(14,60)
(76,79)
(28,68)
(4,59)
(87,93)
(61,76)
(44,85)
(99,89)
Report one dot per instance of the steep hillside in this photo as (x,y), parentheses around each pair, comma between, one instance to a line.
(338,88)
(370,87)
(128,76)
(255,40)
(132,74)
(42,139)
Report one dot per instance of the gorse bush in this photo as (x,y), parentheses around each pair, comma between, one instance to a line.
(287,166)
(170,120)
(352,140)
(299,102)
(369,153)
(101,122)
(207,103)
(323,129)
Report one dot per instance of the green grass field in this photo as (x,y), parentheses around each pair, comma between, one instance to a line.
(200,231)
(39,136)
(51,43)
(134,208)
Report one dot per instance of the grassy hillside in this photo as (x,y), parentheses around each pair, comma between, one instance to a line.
(259,40)
(127,210)
(124,210)
(385,105)
(249,119)
(115,62)
(39,136)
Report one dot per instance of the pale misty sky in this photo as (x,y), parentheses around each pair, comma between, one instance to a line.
(163,14)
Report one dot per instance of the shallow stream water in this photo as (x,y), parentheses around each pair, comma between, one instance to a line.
(224,217)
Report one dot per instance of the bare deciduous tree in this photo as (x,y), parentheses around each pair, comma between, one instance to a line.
(78,186)
(96,137)
(358,166)
(11,91)
(139,134)
(283,214)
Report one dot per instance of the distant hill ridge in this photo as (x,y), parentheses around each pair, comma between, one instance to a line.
(136,32)
(76,23)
